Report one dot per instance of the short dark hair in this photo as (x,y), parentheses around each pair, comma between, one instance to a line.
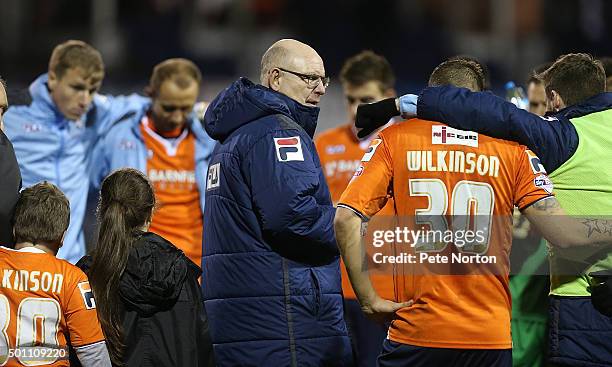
(460,72)
(75,54)
(486,75)
(534,75)
(182,71)
(607,65)
(576,77)
(365,67)
(42,214)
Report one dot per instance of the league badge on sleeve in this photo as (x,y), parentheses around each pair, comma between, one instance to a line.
(534,162)
(289,149)
(87,294)
(371,150)
(543,182)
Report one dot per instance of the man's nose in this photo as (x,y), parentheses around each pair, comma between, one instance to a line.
(177,116)
(353,108)
(85,98)
(320,89)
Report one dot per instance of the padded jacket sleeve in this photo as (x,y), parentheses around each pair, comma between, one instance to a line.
(553,139)
(290,199)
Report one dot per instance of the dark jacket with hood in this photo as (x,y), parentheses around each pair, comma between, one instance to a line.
(164,321)
(271,279)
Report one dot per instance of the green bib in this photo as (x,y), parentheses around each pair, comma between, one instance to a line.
(583,186)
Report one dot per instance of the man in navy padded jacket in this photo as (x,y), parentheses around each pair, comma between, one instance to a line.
(271,278)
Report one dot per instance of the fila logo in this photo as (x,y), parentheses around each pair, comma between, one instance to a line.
(447,135)
(371,150)
(288,149)
(213,180)
(87,294)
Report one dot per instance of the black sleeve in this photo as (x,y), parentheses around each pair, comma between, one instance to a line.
(205,348)
(10,183)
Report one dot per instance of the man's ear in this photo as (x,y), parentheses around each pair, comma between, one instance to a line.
(59,246)
(52,80)
(556,101)
(274,80)
(148,91)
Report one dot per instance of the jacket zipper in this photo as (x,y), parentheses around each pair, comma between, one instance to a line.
(288,311)
(58,158)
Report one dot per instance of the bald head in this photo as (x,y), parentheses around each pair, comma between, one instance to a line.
(3,102)
(294,69)
(288,54)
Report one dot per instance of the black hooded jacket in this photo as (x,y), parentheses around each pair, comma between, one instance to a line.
(164,321)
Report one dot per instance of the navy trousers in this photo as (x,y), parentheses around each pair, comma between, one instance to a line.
(404,355)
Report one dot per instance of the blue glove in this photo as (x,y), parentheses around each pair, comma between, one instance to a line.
(408,105)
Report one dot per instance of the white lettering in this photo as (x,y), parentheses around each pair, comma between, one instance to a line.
(414,161)
(34,281)
(6,279)
(469,159)
(458,258)
(452,161)
(482,165)
(46,282)
(172,176)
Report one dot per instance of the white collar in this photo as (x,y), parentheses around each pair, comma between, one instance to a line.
(29,249)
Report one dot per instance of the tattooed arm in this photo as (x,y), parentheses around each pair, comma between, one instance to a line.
(565,231)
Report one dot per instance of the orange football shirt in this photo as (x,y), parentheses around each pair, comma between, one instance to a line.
(434,169)
(340,153)
(171,169)
(43,302)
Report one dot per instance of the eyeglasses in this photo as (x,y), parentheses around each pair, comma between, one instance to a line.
(312,81)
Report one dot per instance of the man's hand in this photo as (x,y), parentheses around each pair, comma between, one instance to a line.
(371,116)
(382,310)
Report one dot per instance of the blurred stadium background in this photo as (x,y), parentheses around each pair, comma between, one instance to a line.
(226,38)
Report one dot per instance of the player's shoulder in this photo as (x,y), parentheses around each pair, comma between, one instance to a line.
(69,271)
(44,262)
(507,146)
(23,114)
(412,126)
